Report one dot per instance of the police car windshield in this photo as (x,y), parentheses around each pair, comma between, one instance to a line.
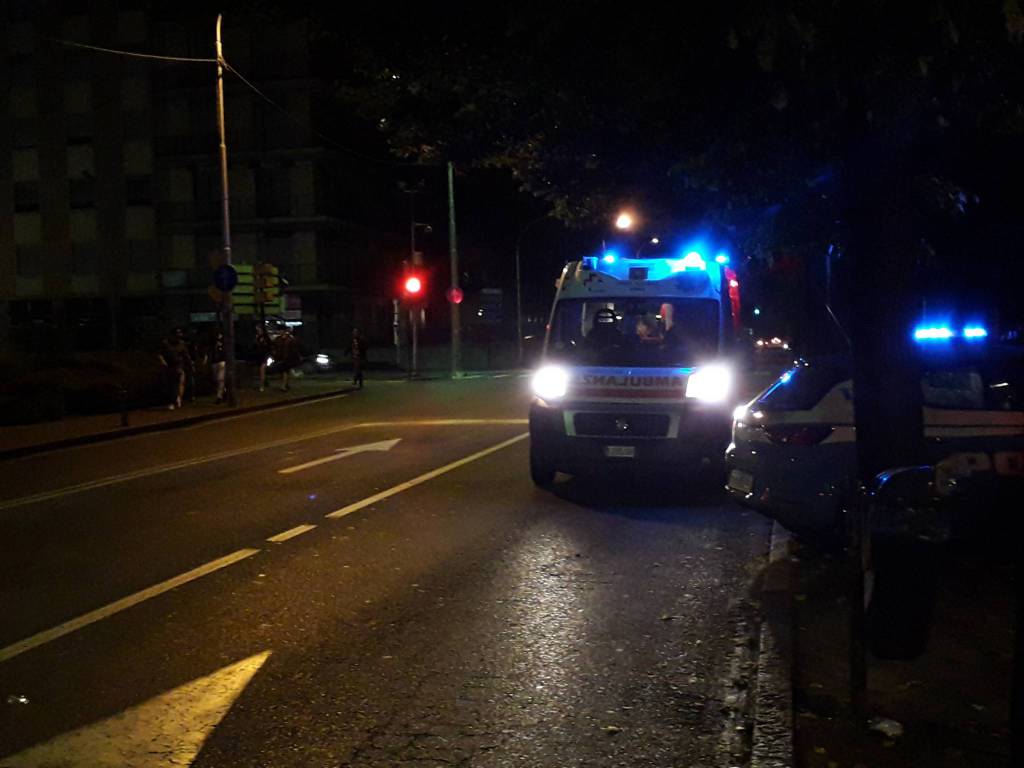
(641,331)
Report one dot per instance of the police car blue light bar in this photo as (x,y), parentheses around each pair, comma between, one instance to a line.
(609,257)
(933,333)
(975,332)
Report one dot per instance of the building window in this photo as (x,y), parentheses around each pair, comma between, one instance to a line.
(29,260)
(141,256)
(83,226)
(81,160)
(26,164)
(140,223)
(23,101)
(82,192)
(84,258)
(135,94)
(138,158)
(78,97)
(138,190)
(26,196)
(28,229)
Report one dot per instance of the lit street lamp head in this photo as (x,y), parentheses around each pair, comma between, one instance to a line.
(624,221)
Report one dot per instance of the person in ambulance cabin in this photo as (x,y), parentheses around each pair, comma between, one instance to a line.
(648,331)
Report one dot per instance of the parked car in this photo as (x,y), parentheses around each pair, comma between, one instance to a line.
(793,454)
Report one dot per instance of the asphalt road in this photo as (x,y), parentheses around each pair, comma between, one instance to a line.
(250,593)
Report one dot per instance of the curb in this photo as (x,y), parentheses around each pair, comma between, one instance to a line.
(162,426)
(773,702)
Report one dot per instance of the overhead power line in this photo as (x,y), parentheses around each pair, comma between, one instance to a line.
(133,54)
(304,124)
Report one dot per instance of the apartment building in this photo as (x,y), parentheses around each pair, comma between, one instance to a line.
(110,194)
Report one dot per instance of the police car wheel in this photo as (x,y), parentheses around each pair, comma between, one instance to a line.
(542,472)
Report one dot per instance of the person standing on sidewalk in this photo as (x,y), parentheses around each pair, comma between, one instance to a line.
(286,356)
(176,358)
(218,364)
(358,358)
(263,349)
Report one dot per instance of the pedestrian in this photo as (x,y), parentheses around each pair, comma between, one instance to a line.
(218,364)
(358,358)
(263,350)
(192,348)
(286,355)
(177,360)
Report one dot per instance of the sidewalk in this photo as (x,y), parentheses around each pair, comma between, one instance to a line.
(951,703)
(74,430)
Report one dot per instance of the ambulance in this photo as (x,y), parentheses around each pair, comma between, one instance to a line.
(637,370)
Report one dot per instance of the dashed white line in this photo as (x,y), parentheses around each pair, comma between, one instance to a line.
(291,533)
(396,489)
(49,635)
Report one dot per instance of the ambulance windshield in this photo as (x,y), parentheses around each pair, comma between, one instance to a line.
(635,331)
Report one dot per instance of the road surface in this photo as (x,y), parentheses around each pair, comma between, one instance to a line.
(369,580)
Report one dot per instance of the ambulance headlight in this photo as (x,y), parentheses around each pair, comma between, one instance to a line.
(551,382)
(711,384)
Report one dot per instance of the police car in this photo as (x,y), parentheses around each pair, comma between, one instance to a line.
(793,451)
(635,370)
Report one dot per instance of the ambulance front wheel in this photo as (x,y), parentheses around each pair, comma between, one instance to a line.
(542,471)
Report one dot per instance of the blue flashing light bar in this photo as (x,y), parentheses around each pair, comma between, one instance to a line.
(692,260)
(933,333)
(609,257)
(722,258)
(975,332)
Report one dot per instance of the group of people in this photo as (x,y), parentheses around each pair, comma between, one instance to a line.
(185,358)
(278,354)
(189,358)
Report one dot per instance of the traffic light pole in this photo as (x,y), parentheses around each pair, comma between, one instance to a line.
(414,368)
(453,252)
(229,315)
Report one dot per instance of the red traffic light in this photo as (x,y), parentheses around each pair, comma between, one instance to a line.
(413,286)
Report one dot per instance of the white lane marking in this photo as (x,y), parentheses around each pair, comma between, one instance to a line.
(291,533)
(162,468)
(168,729)
(343,453)
(396,489)
(49,635)
(502,375)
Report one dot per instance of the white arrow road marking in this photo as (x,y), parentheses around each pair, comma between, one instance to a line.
(167,730)
(343,453)
(160,469)
(41,638)
(395,489)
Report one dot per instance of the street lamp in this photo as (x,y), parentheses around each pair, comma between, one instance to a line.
(624,221)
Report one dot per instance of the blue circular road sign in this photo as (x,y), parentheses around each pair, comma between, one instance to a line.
(225,278)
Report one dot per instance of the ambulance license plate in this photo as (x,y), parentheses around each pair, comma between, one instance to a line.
(620,451)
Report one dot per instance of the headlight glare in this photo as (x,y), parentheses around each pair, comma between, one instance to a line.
(551,382)
(710,384)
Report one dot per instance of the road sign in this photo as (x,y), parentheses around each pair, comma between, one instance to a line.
(225,278)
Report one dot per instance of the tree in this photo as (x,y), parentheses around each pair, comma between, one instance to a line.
(784,123)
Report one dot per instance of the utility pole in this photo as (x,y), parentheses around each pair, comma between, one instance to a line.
(229,315)
(454,253)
